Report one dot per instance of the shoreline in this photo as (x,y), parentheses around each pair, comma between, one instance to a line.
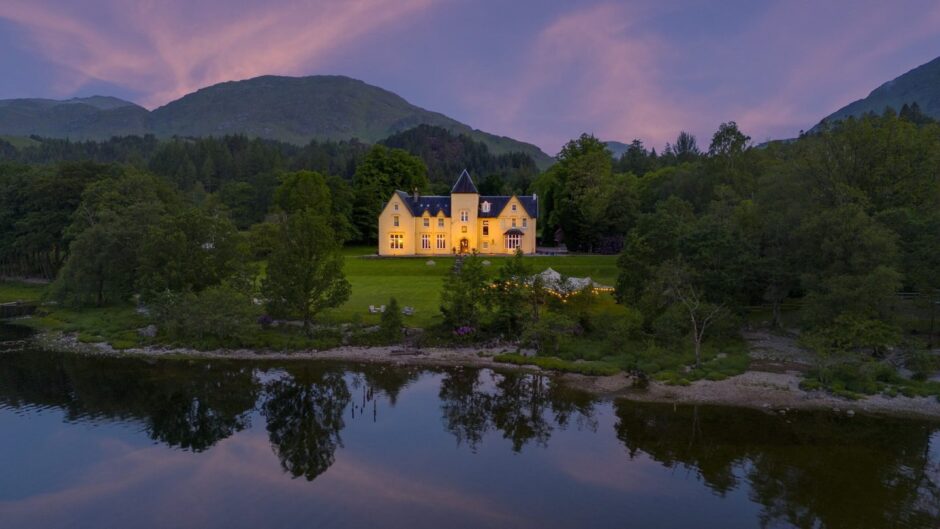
(767,390)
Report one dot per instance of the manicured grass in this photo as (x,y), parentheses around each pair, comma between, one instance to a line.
(415,284)
(19,291)
(20,142)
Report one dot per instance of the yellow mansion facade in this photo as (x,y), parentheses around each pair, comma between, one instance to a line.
(465,221)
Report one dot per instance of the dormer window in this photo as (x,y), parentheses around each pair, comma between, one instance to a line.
(485,207)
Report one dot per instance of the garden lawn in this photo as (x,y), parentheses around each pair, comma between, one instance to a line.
(415,284)
(19,291)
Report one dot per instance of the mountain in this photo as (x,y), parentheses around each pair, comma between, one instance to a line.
(920,85)
(290,109)
(616,148)
(96,117)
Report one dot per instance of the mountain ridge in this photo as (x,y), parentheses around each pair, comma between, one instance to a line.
(291,109)
(919,85)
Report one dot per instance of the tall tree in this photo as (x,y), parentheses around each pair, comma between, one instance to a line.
(382,172)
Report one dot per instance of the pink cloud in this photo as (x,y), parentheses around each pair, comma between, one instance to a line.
(590,66)
(167,49)
(231,480)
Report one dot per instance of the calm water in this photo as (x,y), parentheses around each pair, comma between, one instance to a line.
(101,443)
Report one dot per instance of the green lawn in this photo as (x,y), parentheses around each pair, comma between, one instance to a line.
(18,291)
(415,284)
(20,142)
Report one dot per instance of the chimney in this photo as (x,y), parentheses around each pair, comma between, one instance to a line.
(416,194)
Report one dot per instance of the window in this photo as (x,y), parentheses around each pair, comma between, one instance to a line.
(464,215)
(395,207)
(396,241)
(441,242)
(486,227)
(512,241)
(427,222)
(463,229)
(440,222)
(525,222)
(514,207)
(486,245)
(485,207)
(425,242)
(513,222)
(395,221)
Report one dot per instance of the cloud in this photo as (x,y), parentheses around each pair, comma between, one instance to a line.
(240,479)
(164,50)
(591,70)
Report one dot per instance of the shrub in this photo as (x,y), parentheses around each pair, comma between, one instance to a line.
(391,323)
(557,364)
(219,312)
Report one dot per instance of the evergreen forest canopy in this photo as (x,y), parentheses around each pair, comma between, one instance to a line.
(840,220)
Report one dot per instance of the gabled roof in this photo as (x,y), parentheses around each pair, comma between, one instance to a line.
(464,184)
(498,204)
(432,204)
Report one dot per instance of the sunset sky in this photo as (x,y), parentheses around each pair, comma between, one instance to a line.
(539,71)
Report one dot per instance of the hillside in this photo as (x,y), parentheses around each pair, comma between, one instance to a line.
(289,109)
(95,117)
(920,85)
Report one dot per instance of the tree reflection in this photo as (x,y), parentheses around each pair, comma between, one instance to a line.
(183,404)
(525,408)
(813,470)
(304,412)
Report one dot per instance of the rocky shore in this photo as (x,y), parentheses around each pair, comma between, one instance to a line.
(771,385)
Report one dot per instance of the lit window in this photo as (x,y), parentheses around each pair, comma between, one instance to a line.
(395,221)
(440,222)
(512,241)
(514,207)
(464,215)
(486,227)
(525,222)
(425,242)
(396,241)
(427,222)
(441,242)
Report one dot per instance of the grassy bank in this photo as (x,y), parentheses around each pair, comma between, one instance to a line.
(11,291)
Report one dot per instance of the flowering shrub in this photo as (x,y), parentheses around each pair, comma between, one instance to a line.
(464,330)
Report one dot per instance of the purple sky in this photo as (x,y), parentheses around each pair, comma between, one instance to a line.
(540,71)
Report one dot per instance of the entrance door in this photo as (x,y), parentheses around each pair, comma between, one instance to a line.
(464,246)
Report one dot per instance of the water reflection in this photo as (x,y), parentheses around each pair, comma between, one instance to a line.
(517,431)
(182,404)
(814,469)
(525,408)
(304,412)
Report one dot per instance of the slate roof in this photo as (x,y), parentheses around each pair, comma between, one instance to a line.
(464,184)
(434,204)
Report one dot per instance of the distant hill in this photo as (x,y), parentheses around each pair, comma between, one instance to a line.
(289,109)
(446,154)
(95,117)
(616,148)
(920,85)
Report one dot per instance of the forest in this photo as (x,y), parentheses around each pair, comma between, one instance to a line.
(833,235)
